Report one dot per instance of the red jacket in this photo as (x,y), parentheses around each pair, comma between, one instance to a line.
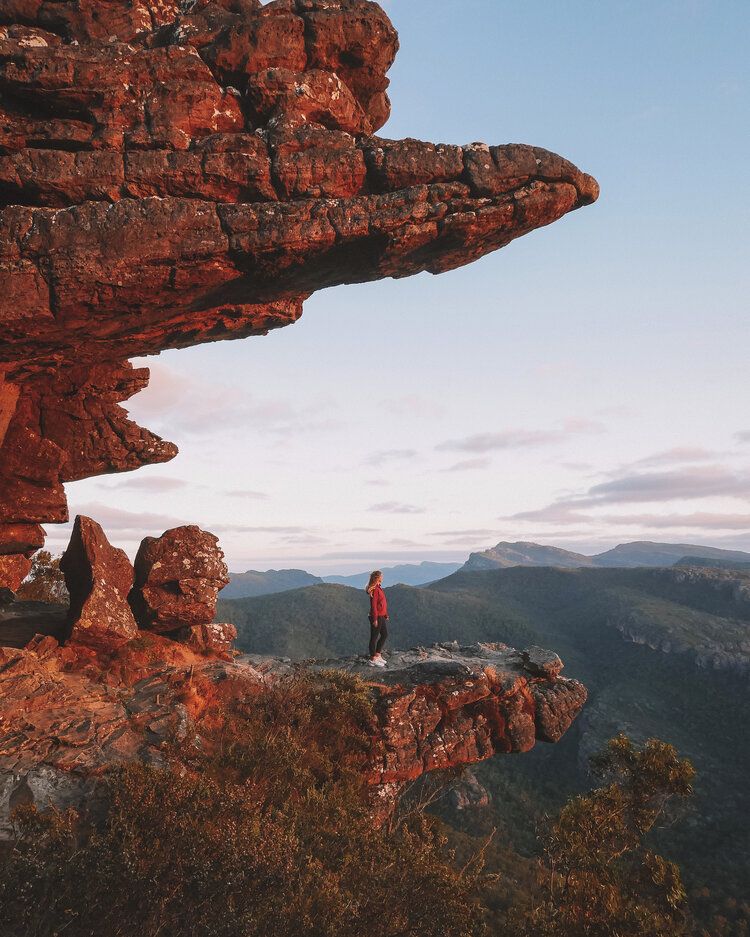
(378,604)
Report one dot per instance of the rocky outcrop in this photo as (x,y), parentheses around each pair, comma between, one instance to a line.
(468,793)
(13,570)
(172,590)
(450,705)
(174,173)
(99,578)
(214,638)
(710,625)
(177,580)
(64,721)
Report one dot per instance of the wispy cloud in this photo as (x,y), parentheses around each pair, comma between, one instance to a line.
(390,455)
(743,436)
(395,507)
(676,456)
(679,484)
(506,439)
(185,404)
(559,512)
(692,482)
(520,438)
(305,539)
(698,520)
(469,465)
(246,493)
(148,485)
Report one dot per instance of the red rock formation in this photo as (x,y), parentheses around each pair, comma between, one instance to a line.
(169,178)
(63,721)
(213,638)
(177,580)
(99,578)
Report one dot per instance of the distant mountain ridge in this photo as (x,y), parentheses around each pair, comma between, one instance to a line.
(625,555)
(523,553)
(406,574)
(639,553)
(254,582)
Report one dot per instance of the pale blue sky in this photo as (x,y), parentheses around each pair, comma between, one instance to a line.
(415,418)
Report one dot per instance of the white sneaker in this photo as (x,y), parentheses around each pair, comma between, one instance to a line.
(379,660)
(373,662)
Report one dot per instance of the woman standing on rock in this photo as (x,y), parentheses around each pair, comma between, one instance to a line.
(378,618)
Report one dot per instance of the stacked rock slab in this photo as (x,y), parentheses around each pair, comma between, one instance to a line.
(178,577)
(174,173)
(99,578)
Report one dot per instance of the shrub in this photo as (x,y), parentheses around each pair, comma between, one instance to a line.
(598,876)
(45,582)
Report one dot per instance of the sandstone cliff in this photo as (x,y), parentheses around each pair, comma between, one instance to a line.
(67,714)
(174,173)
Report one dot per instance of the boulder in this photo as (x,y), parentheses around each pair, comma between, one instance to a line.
(98,577)
(468,793)
(13,570)
(213,638)
(177,579)
(541,663)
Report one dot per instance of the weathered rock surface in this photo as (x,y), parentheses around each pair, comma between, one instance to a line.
(213,638)
(64,718)
(99,578)
(468,793)
(13,570)
(177,580)
(176,173)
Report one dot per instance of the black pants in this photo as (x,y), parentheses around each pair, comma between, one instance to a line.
(378,634)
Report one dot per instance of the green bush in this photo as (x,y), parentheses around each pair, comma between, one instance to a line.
(45,582)
(598,876)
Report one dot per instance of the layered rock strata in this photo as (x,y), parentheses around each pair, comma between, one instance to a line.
(173,173)
(63,722)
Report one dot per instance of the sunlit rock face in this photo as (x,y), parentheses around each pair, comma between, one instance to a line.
(68,713)
(99,578)
(178,577)
(174,173)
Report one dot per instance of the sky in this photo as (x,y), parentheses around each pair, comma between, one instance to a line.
(586,385)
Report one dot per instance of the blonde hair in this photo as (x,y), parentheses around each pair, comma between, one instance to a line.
(374,576)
